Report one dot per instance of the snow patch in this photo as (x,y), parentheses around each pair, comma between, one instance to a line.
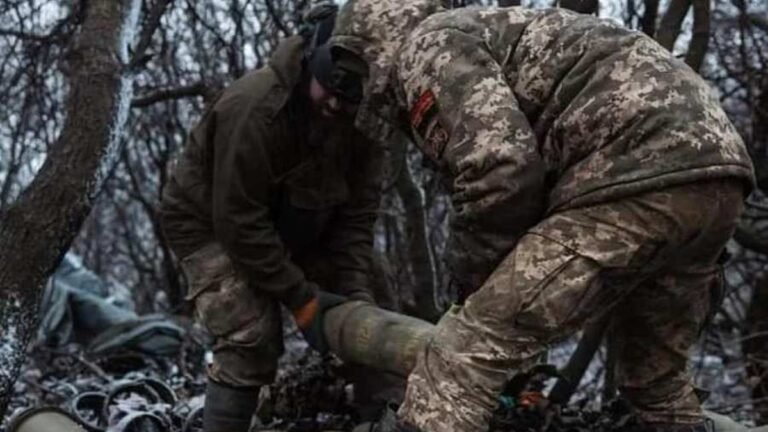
(10,337)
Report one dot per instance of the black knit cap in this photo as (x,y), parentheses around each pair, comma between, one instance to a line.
(334,70)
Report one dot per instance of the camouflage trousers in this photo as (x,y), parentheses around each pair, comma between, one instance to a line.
(246,326)
(649,259)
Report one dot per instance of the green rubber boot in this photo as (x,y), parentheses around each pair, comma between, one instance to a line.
(228,409)
(671,427)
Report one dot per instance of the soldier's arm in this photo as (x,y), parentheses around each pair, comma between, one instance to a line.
(241,216)
(351,239)
(464,116)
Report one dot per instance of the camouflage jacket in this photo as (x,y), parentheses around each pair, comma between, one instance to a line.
(275,185)
(534,111)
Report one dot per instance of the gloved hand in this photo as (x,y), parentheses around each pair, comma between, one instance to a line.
(309,318)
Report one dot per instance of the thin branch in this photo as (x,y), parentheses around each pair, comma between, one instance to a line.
(59,33)
(669,28)
(648,20)
(697,49)
(98,371)
(759,21)
(193,90)
(191,7)
(579,361)
(276,18)
(590,7)
(24,35)
(152,23)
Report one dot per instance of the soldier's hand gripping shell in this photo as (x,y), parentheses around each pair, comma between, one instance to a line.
(309,318)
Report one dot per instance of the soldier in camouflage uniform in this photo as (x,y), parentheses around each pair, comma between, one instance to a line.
(273,199)
(590,172)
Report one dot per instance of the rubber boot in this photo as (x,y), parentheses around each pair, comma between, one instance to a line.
(671,427)
(228,409)
(387,423)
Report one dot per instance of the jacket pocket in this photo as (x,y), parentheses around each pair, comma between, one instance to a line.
(231,309)
(225,303)
(205,268)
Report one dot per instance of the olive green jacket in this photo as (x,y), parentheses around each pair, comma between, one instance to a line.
(275,185)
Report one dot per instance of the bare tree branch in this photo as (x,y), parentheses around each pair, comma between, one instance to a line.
(669,28)
(573,372)
(276,18)
(151,25)
(581,6)
(60,31)
(760,134)
(759,21)
(196,89)
(648,20)
(24,35)
(697,48)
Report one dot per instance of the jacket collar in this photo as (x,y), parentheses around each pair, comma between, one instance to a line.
(287,59)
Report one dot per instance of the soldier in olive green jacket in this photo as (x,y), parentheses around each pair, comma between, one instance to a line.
(591,172)
(273,199)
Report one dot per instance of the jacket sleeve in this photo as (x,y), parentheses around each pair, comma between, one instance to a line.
(241,216)
(465,118)
(351,238)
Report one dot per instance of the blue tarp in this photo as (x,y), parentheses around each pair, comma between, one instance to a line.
(79,306)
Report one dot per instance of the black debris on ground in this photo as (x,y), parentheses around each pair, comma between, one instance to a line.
(133,392)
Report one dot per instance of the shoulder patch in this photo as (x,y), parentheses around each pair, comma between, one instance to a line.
(422,110)
(426,124)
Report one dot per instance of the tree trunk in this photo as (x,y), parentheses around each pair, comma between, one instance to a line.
(759,145)
(648,20)
(419,253)
(697,48)
(590,7)
(669,29)
(38,228)
(755,346)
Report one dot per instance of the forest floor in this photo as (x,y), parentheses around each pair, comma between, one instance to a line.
(129,392)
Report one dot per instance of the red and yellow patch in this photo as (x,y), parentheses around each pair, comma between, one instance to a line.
(426,124)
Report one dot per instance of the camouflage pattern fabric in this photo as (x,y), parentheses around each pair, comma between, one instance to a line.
(648,258)
(356,32)
(245,324)
(535,111)
(564,138)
